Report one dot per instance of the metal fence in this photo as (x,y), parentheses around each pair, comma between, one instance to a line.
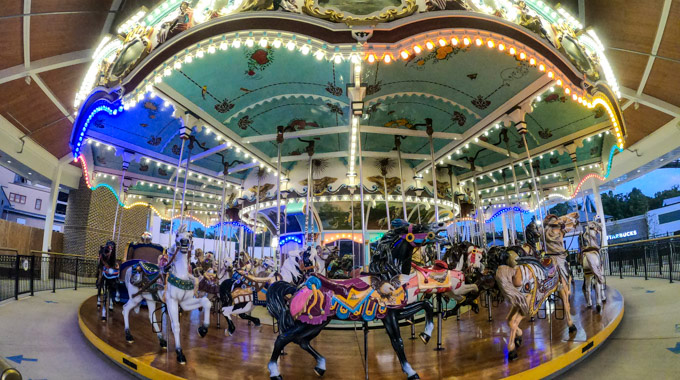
(653,258)
(39,271)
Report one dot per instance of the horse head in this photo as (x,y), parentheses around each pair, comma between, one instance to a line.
(474,258)
(146,237)
(184,239)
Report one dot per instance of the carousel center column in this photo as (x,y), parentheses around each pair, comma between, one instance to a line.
(356,93)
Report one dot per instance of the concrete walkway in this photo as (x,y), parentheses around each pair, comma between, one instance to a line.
(639,348)
(45,327)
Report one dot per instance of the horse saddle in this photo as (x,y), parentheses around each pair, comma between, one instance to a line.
(111,273)
(546,264)
(207,286)
(146,267)
(432,277)
(344,287)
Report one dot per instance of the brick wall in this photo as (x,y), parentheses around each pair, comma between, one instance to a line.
(89,221)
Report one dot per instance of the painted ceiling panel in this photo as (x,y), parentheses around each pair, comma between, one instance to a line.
(228,84)
(478,80)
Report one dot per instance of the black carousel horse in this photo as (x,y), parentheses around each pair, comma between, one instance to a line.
(381,295)
(107,277)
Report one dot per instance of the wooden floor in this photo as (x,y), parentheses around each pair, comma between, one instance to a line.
(474,347)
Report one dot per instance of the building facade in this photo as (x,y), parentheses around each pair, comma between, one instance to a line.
(26,203)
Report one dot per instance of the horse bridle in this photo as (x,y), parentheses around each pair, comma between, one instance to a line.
(415,239)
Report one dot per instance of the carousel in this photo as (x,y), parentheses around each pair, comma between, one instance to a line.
(361,172)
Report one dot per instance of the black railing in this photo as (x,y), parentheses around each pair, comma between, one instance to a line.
(27,274)
(654,258)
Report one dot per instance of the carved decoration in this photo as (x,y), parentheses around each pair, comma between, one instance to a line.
(387,14)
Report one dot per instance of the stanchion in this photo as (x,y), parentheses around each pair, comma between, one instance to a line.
(488,303)
(32,269)
(413,328)
(16,278)
(439,323)
(76,280)
(365,326)
(54,274)
(7,372)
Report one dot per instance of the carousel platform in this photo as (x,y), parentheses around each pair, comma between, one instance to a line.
(474,347)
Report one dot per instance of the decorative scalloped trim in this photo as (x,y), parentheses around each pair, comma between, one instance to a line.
(284,97)
(425,95)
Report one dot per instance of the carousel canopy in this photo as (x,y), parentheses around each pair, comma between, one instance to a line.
(223,89)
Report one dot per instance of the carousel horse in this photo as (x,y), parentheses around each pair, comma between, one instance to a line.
(239,295)
(529,284)
(592,265)
(178,292)
(108,276)
(300,263)
(382,294)
(340,268)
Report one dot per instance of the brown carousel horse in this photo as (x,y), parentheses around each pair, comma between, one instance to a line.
(107,277)
(529,284)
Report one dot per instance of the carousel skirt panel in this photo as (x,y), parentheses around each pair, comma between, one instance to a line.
(475,347)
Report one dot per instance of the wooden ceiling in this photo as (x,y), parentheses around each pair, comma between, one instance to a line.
(41,106)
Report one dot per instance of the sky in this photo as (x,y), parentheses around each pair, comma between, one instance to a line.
(652,182)
(649,184)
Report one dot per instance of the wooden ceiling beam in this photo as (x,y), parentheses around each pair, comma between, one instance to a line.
(665,11)
(650,101)
(27,34)
(46,64)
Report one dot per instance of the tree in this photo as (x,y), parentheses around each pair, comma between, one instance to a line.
(560,209)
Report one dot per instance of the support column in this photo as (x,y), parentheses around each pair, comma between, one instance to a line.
(51,207)
(600,210)
(506,241)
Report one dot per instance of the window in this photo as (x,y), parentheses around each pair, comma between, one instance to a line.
(38,204)
(669,217)
(21,221)
(17,198)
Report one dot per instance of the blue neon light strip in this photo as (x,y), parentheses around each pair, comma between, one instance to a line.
(504,210)
(111,111)
(290,238)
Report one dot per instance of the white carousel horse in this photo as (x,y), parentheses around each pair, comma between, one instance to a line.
(299,263)
(592,265)
(179,291)
(529,284)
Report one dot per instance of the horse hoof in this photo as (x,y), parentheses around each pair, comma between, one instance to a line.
(572,329)
(589,306)
(319,371)
(128,337)
(181,359)
(164,344)
(598,308)
(424,337)
(518,341)
(103,319)
(414,377)
(279,377)
(256,322)
(202,331)
(512,355)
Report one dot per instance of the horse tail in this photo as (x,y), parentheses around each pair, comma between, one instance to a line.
(504,275)
(277,304)
(595,266)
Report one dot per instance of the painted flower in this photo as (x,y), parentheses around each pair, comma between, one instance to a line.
(260,56)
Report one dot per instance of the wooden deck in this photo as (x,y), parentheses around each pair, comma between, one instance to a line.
(474,347)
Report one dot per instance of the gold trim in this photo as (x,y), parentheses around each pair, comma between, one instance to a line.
(407,8)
